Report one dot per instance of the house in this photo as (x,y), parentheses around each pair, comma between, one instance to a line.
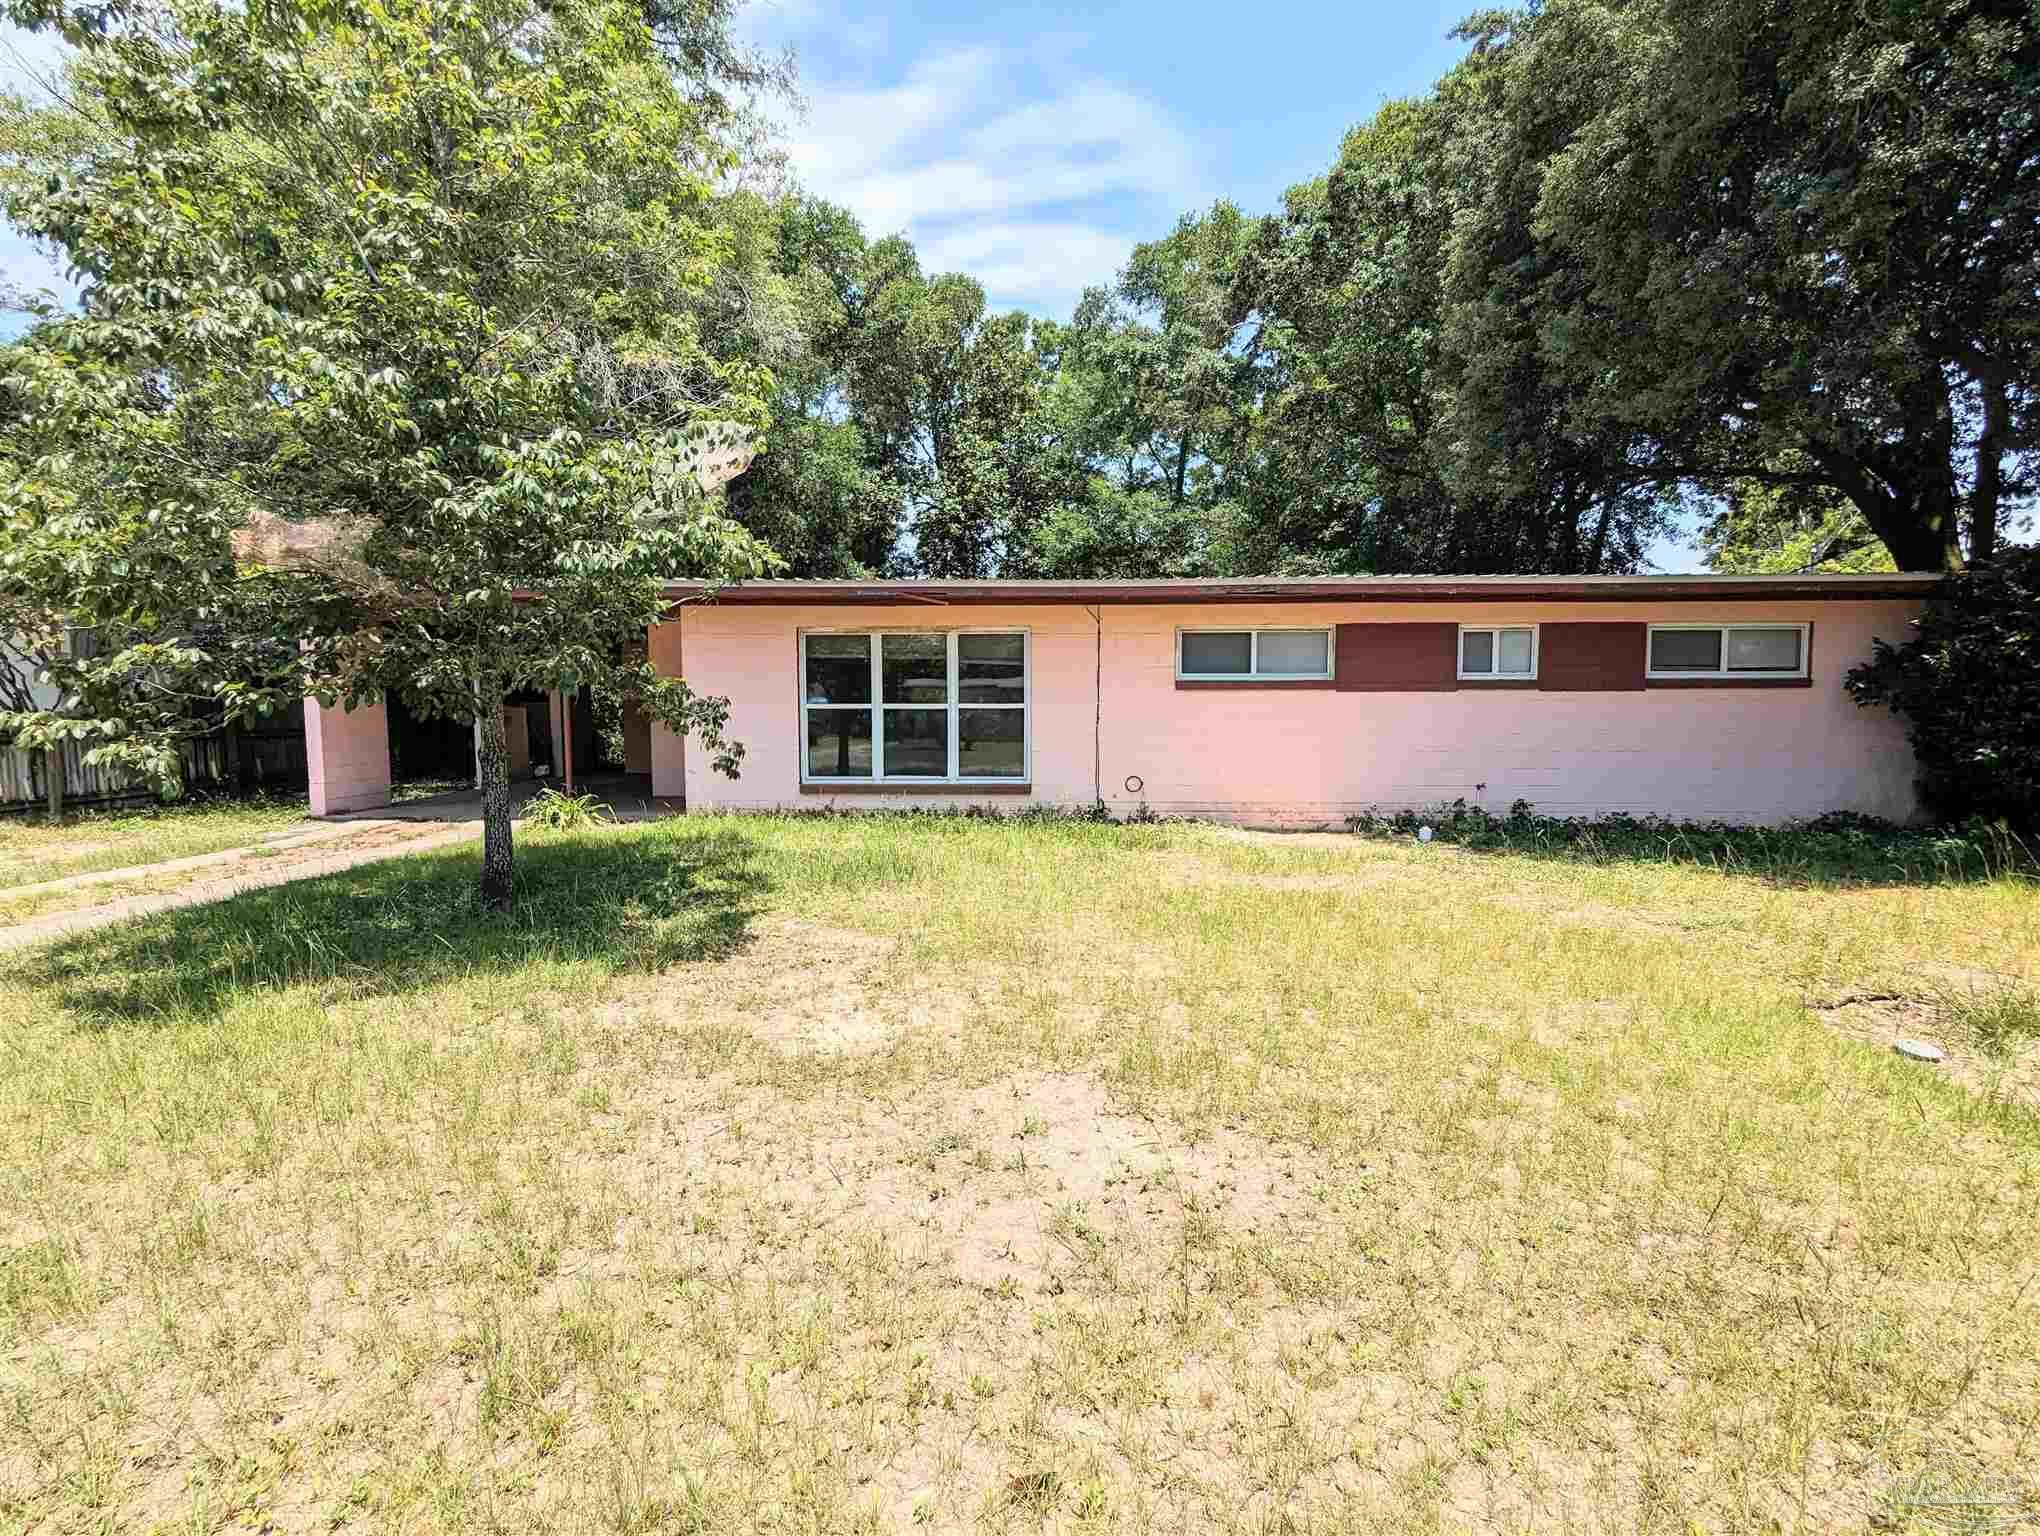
(1286,701)
(1298,701)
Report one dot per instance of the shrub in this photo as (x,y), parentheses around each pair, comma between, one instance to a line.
(1968,688)
(562,812)
(1840,846)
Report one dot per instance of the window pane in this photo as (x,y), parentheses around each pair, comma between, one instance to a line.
(839,669)
(991,669)
(991,743)
(1514,645)
(1477,651)
(916,668)
(1685,650)
(916,743)
(1763,650)
(839,743)
(1225,655)
(1291,652)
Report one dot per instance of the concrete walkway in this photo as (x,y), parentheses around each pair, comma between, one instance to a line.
(302,853)
(250,869)
(628,796)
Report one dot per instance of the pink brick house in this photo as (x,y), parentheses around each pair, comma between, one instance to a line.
(1298,701)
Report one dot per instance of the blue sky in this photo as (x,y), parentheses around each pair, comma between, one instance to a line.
(1032,146)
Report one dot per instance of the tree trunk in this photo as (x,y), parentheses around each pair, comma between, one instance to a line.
(494,760)
(53,781)
(1988,488)
(1925,533)
(1599,552)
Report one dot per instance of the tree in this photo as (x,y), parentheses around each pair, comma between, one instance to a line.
(1764,525)
(818,494)
(394,302)
(1360,297)
(1786,243)
(1968,687)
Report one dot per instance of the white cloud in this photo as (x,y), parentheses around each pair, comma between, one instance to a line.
(1033,196)
(1038,258)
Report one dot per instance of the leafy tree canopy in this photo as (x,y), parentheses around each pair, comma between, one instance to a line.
(388,368)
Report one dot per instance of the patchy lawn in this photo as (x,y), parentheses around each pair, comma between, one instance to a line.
(825,1175)
(34,850)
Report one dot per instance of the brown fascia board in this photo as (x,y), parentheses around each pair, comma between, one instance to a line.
(1385,589)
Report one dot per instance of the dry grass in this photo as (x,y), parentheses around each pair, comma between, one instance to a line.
(32,849)
(821,1176)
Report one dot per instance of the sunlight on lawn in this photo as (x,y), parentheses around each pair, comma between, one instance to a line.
(843,1174)
(32,850)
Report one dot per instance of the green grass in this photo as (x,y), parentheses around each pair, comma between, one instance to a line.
(33,850)
(867,1174)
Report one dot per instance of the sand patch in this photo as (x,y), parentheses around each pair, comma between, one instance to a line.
(800,987)
(1882,1019)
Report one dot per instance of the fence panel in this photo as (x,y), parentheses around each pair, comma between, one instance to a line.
(207,765)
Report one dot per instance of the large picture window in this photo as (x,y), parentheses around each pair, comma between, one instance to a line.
(930,705)
(1727,650)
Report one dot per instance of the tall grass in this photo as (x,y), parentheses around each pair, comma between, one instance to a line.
(1157,1178)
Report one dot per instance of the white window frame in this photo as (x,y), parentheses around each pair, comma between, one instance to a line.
(1495,631)
(877,707)
(1254,674)
(1723,673)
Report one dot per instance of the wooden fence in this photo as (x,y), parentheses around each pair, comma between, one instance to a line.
(211,763)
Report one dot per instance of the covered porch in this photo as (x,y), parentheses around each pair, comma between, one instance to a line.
(350,762)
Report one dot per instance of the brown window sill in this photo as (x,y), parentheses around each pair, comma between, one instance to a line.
(1371,687)
(1728,682)
(1189,684)
(880,788)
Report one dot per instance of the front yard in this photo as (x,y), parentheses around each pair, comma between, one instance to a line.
(33,851)
(826,1175)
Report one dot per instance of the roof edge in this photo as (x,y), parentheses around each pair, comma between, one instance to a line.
(1347,589)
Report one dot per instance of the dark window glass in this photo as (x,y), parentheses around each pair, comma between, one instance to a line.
(1477,651)
(991,743)
(838,669)
(916,743)
(991,669)
(1685,650)
(916,668)
(839,743)
(1221,655)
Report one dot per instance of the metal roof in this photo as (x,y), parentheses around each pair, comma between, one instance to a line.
(1321,589)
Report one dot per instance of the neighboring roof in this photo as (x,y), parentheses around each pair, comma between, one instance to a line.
(1321,589)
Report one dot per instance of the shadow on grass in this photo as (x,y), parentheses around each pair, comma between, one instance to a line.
(413,922)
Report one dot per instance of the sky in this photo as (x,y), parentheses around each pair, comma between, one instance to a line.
(1032,146)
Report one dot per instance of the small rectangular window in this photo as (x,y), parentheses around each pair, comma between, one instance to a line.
(1727,650)
(1501,653)
(1242,655)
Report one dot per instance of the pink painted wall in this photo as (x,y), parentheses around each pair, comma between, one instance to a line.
(668,751)
(347,757)
(1303,756)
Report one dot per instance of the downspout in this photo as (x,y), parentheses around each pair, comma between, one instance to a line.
(1097,705)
